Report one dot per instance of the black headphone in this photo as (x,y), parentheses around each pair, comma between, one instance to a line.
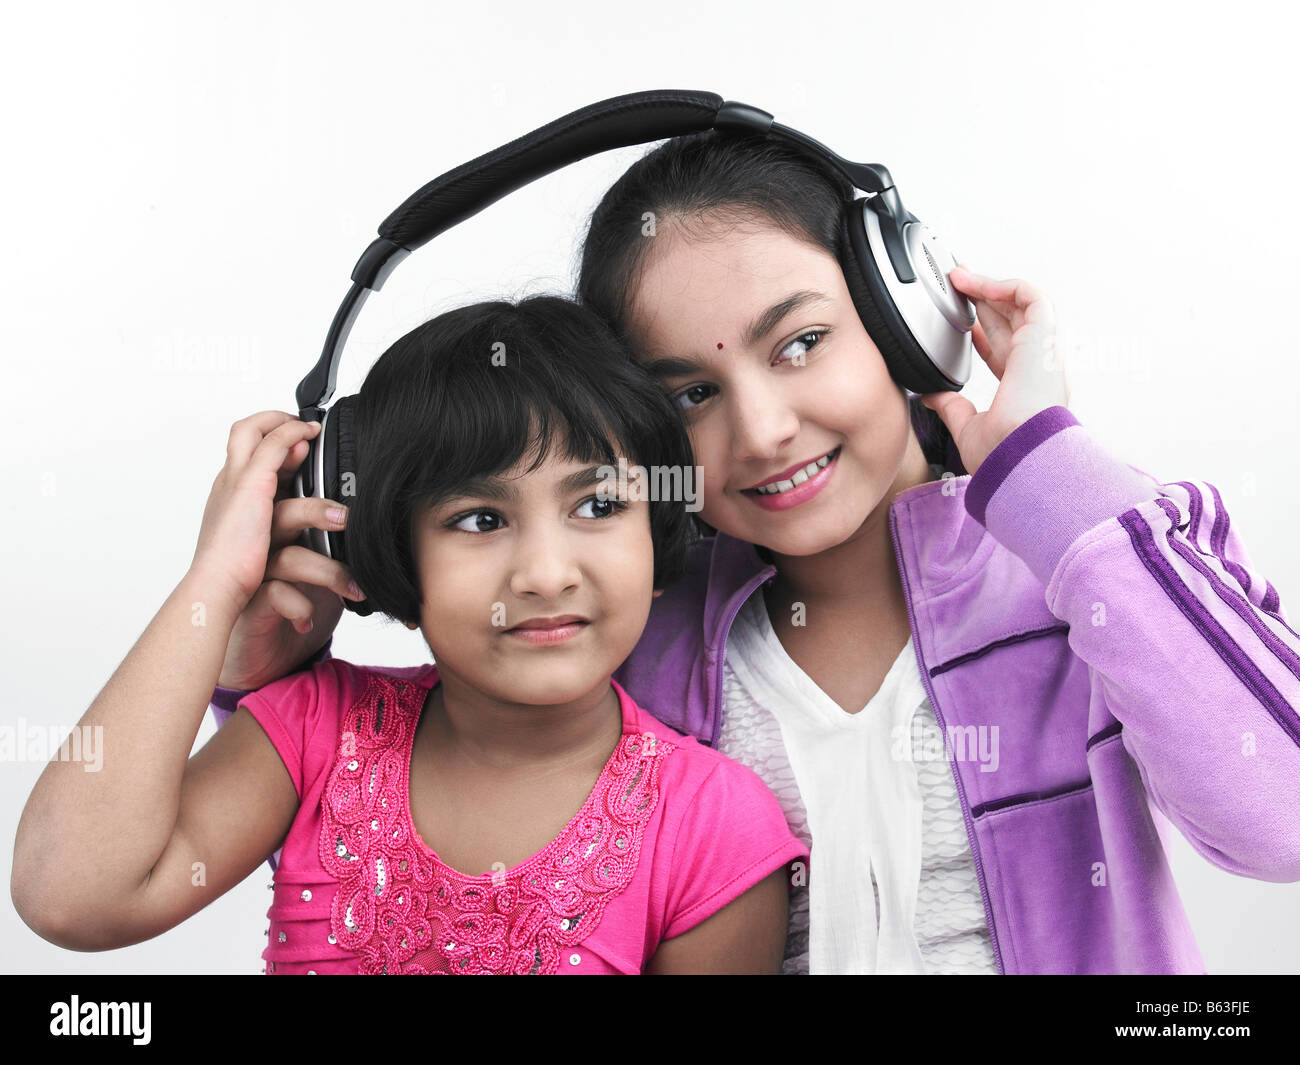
(895,266)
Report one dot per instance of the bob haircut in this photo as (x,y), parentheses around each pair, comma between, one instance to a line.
(470,394)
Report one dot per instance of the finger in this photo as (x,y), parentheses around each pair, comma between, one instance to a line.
(995,362)
(1013,294)
(981,341)
(993,312)
(273,452)
(969,282)
(288,472)
(1041,313)
(988,294)
(301,564)
(282,598)
(993,331)
(291,516)
(1032,326)
(248,432)
(954,410)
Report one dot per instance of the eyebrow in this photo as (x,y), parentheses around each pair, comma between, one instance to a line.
(760,327)
(505,491)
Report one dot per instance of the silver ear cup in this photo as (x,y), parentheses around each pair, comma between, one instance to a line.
(316,539)
(935,313)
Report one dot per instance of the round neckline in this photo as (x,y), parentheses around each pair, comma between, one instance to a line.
(522,868)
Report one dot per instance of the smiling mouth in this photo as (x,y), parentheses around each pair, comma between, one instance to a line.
(773,488)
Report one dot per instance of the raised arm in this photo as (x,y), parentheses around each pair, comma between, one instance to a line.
(1194,666)
(88,841)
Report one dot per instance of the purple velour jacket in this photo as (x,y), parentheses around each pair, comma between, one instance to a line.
(1134,663)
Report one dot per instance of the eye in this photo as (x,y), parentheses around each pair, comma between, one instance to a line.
(609,507)
(474,520)
(693,397)
(801,338)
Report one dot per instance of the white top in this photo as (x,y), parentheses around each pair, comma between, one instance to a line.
(892,887)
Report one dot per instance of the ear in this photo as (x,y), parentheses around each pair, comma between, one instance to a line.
(411,625)
(657,593)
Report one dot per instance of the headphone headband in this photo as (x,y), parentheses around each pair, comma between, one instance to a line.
(635,118)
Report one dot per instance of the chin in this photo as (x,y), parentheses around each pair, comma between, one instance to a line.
(545,683)
(809,542)
(810,533)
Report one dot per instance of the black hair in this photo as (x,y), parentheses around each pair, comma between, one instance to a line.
(728,176)
(473,392)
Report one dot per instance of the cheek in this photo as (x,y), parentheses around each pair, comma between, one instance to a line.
(630,554)
(709,453)
(854,384)
(451,578)
(618,564)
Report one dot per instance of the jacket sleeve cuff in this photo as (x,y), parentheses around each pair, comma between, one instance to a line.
(225,701)
(1048,483)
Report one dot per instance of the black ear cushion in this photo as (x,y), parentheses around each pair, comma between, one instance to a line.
(907,361)
(329,488)
(345,453)
(340,461)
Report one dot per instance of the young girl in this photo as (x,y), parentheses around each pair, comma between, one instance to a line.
(427,814)
(1089,651)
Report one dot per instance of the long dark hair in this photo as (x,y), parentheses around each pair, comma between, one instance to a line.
(728,176)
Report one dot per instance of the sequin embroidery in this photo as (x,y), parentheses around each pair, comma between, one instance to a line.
(404,911)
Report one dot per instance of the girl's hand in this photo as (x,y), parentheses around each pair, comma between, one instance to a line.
(1015,334)
(293,613)
(235,537)
(294,604)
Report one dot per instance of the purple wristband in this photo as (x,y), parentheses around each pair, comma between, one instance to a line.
(226,700)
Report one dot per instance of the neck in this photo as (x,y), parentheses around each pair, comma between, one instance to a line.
(505,735)
(861,568)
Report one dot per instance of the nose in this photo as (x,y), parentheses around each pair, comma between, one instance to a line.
(545,564)
(762,421)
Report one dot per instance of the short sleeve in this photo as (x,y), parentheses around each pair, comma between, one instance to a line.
(299,713)
(225,701)
(731,836)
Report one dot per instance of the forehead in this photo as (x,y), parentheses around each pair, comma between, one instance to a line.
(704,285)
(558,475)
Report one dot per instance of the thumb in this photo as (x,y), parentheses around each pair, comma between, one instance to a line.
(954,410)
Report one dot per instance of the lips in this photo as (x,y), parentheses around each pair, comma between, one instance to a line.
(556,622)
(553,631)
(794,475)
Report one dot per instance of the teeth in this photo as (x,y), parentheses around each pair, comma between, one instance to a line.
(798,478)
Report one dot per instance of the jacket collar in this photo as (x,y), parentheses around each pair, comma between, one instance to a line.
(948,561)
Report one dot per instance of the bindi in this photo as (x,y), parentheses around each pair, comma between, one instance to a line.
(719,345)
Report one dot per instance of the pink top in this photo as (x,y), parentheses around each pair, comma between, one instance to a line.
(671,832)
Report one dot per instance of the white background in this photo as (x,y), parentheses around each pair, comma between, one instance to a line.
(188,187)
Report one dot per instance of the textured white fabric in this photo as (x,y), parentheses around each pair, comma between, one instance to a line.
(751,736)
(892,887)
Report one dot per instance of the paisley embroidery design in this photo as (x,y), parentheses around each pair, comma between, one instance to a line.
(403,911)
